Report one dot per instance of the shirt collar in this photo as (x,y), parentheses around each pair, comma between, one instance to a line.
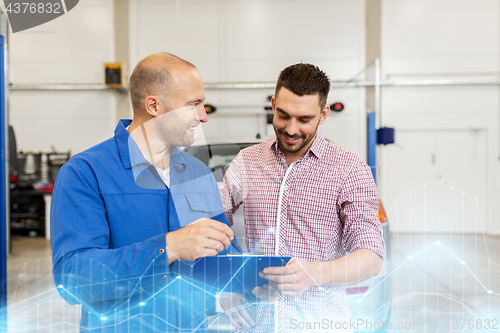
(132,156)
(317,148)
(122,140)
(319,145)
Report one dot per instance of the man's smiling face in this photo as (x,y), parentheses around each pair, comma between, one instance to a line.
(296,120)
(184,110)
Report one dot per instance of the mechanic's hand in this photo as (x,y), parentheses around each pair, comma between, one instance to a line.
(294,279)
(266,293)
(202,238)
(234,305)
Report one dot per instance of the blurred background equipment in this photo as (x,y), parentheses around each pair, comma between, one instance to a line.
(31,185)
(385,135)
(210,108)
(337,107)
(113,74)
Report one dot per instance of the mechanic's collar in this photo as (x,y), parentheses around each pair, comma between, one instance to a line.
(132,156)
(122,141)
(177,162)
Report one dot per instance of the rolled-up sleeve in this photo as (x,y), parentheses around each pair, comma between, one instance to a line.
(358,202)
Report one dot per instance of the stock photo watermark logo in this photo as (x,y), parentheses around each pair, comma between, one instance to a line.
(27,14)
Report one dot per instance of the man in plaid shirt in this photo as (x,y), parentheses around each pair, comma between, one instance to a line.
(307,198)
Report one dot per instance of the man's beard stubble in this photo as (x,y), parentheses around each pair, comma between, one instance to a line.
(281,144)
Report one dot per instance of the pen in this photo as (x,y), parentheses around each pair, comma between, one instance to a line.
(237,246)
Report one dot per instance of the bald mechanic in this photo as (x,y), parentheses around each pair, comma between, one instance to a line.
(306,198)
(124,210)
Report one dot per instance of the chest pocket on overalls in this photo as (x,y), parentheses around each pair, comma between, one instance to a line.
(201,202)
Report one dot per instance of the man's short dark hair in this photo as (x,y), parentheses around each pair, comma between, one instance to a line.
(304,79)
(152,77)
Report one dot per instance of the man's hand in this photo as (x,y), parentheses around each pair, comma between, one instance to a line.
(202,238)
(294,279)
(266,293)
(234,305)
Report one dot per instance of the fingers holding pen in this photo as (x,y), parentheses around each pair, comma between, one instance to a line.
(202,238)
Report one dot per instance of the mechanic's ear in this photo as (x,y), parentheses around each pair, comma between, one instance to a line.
(152,105)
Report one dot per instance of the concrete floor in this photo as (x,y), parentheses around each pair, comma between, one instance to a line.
(445,283)
(440,283)
(33,302)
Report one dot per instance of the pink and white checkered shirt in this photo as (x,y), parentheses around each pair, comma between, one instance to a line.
(320,208)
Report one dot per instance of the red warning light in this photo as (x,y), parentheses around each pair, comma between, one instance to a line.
(337,107)
(210,108)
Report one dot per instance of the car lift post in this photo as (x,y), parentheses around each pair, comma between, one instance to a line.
(373,124)
(371,133)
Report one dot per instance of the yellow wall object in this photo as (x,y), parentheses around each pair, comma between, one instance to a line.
(113,74)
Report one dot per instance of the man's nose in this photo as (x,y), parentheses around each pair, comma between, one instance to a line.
(292,128)
(201,115)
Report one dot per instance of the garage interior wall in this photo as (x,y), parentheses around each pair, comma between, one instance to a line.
(252,41)
(445,134)
(437,128)
(68,50)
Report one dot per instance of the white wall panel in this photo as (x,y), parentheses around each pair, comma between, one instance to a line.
(65,120)
(188,29)
(250,33)
(433,187)
(444,36)
(432,102)
(252,41)
(69,49)
(442,39)
(268,69)
(285,32)
(254,99)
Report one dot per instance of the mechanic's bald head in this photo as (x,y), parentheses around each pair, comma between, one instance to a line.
(153,76)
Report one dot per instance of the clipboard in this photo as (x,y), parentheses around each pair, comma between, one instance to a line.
(238,273)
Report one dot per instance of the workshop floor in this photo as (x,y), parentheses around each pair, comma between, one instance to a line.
(439,283)
(444,282)
(33,302)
